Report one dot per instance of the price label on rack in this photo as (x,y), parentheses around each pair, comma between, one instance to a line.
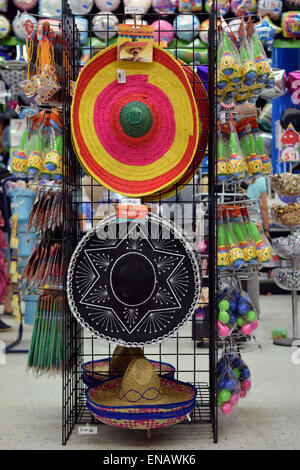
(134,10)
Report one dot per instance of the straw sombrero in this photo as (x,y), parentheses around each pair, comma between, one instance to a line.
(140,391)
(104,369)
(133,284)
(202,102)
(138,137)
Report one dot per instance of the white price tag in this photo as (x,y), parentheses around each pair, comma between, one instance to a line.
(134,10)
(87,429)
(131,202)
(121,76)
(17,127)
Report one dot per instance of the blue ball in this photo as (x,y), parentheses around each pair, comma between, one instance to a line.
(245,373)
(238,362)
(232,318)
(233,305)
(230,385)
(222,383)
(243,308)
(236,295)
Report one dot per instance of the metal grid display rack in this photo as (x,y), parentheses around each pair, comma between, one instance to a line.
(194,365)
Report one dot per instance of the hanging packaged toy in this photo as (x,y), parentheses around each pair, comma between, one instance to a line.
(236,164)
(262,247)
(223,256)
(228,386)
(238,228)
(53,158)
(235,253)
(19,159)
(242,373)
(222,170)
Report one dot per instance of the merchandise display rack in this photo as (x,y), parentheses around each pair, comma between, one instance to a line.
(192,364)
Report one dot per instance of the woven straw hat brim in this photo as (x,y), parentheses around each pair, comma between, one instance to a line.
(143,165)
(202,102)
(172,392)
(101,369)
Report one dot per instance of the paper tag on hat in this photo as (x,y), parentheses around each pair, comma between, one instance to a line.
(132,212)
(135,44)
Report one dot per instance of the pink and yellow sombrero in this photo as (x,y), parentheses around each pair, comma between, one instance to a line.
(138,137)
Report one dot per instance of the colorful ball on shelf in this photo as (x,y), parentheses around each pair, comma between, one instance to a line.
(187,27)
(189,5)
(25,4)
(81,7)
(166,7)
(82,26)
(223,6)
(107,5)
(105,25)
(18,25)
(243,7)
(163,32)
(4,27)
(146,4)
(51,9)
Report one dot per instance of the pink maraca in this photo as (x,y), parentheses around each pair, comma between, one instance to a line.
(234,399)
(243,393)
(224,330)
(246,385)
(246,329)
(254,325)
(226,408)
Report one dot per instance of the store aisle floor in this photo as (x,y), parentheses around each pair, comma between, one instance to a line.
(269,418)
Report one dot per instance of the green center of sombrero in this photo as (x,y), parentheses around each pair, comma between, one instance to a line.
(136,119)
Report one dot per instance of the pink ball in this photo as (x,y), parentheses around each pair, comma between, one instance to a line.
(254,325)
(246,329)
(246,385)
(25,5)
(163,31)
(243,393)
(226,408)
(234,399)
(224,330)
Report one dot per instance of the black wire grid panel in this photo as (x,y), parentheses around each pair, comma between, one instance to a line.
(193,364)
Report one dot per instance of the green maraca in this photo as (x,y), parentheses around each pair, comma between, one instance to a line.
(261,64)
(236,166)
(222,171)
(266,162)
(239,231)
(248,70)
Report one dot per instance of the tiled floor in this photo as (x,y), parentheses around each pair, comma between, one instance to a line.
(269,418)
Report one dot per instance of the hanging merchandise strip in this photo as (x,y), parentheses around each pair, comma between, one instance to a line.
(45,354)
(46,213)
(44,266)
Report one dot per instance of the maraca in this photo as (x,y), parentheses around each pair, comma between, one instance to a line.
(223,257)
(35,160)
(19,160)
(240,234)
(266,162)
(235,253)
(222,171)
(248,69)
(235,165)
(53,160)
(254,163)
(262,248)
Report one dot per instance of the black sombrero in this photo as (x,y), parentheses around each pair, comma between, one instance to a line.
(134,283)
